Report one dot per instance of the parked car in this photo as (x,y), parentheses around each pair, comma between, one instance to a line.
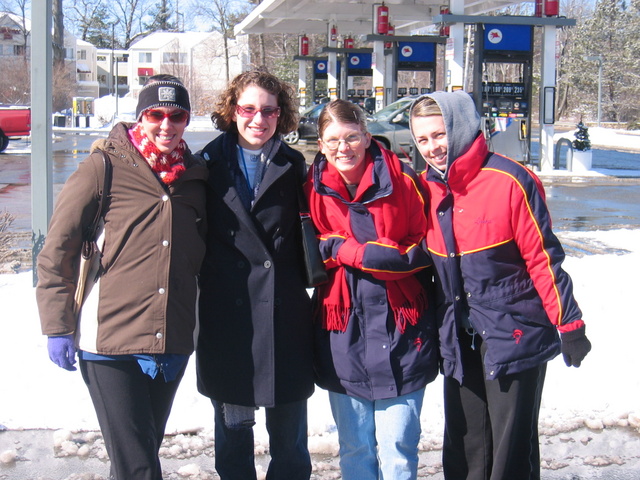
(14,122)
(390,126)
(307,126)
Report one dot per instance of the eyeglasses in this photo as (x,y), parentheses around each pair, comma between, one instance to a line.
(334,143)
(251,111)
(158,116)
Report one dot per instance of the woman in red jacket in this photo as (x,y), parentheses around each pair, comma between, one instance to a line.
(375,347)
(503,296)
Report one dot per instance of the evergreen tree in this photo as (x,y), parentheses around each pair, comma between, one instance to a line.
(581,135)
(99,32)
(611,33)
(162,18)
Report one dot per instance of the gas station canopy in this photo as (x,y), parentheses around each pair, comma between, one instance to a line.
(352,16)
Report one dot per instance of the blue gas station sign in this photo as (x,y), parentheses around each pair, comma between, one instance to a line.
(416,55)
(508,38)
(359,61)
(321,69)
(359,64)
(416,52)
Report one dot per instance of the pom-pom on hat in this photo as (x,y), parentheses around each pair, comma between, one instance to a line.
(162,93)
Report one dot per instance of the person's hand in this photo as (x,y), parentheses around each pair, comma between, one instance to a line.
(62,351)
(575,346)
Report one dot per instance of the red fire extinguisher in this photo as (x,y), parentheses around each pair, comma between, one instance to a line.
(391,32)
(382,19)
(551,8)
(348,42)
(334,33)
(304,45)
(538,12)
(445,29)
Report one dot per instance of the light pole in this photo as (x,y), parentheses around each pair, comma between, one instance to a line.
(114,79)
(597,58)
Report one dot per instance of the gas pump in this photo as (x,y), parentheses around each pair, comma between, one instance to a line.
(358,68)
(502,87)
(417,57)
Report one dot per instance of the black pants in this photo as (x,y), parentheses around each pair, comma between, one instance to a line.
(132,410)
(287,428)
(491,426)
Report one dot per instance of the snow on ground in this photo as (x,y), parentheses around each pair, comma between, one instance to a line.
(602,393)
(594,405)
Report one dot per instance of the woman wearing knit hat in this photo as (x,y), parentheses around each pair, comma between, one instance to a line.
(135,334)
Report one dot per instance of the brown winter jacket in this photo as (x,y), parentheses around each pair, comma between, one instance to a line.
(145,301)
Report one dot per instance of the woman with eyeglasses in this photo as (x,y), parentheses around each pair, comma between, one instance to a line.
(255,342)
(135,333)
(375,347)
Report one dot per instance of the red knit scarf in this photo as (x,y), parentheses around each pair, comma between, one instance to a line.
(168,167)
(407,297)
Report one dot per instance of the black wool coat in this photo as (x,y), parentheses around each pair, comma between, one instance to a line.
(255,338)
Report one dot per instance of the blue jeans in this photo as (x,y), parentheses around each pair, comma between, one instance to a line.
(379,438)
(287,428)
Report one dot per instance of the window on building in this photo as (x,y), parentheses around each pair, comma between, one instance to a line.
(19,50)
(68,53)
(142,80)
(124,58)
(101,58)
(145,57)
(174,57)
(102,78)
(82,54)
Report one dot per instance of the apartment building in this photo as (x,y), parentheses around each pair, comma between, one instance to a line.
(198,58)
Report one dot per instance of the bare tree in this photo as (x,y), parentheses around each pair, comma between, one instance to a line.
(64,85)
(130,14)
(58,32)
(91,21)
(223,15)
(15,81)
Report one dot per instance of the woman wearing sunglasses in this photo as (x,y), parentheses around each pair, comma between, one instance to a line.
(375,342)
(135,334)
(254,346)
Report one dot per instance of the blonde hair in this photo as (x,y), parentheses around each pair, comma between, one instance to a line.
(425,107)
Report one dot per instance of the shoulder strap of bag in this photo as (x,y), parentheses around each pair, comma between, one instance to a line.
(104,193)
(302,200)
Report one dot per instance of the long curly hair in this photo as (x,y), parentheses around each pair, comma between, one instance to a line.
(225,107)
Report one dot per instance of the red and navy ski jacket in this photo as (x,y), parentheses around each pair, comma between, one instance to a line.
(497,261)
(375,238)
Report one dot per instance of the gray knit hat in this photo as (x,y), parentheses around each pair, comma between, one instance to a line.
(162,93)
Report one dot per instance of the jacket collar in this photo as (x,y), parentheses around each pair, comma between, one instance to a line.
(375,184)
(464,169)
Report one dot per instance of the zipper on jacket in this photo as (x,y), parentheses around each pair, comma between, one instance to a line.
(472,332)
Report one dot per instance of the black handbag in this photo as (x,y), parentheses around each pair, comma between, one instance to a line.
(90,254)
(315,272)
